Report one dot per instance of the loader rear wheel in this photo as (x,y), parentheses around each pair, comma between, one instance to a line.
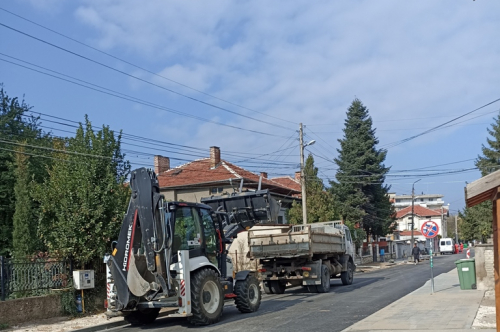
(142,316)
(248,294)
(267,287)
(277,286)
(324,287)
(347,276)
(207,299)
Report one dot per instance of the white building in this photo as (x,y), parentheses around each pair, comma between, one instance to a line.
(430,201)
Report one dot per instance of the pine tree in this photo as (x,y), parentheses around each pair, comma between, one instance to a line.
(360,195)
(24,220)
(319,201)
(476,222)
(15,126)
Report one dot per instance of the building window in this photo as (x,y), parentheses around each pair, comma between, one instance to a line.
(431,199)
(216,190)
(280,220)
(421,199)
(398,201)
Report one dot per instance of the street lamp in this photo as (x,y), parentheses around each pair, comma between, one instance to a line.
(412,209)
(302,180)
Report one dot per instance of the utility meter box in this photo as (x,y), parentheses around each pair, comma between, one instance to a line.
(83,279)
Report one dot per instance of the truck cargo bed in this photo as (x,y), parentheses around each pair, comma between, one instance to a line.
(295,241)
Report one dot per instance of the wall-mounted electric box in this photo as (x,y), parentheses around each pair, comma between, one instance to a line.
(83,279)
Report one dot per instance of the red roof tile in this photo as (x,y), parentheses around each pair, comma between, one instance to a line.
(288,182)
(418,210)
(198,172)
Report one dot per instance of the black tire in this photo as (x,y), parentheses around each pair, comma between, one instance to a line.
(312,289)
(248,294)
(324,287)
(142,317)
(277,286)
(347,276)
(267,288)
(207,299)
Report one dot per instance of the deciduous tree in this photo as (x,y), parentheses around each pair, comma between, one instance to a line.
(84,198)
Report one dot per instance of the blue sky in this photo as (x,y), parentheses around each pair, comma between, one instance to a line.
(252,70)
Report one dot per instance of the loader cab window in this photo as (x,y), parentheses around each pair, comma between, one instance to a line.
(187,234)
(209,234)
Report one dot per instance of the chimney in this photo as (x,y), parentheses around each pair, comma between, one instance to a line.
(214,156)
(297,176)
(264,175)
(162,164)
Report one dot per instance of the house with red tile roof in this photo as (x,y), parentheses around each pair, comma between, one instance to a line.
(420,215)
(215,176)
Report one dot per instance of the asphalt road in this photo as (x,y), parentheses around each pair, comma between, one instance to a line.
(297,310)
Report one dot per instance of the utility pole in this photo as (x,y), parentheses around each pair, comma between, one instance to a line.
(302,181)
(456,229)
(302,176)
(412,212)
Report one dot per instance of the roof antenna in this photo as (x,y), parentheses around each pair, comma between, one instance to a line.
(260,183)
(241,185)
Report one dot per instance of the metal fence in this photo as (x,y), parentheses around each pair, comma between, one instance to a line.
(20,279)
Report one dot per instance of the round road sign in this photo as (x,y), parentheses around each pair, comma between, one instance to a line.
(429,229)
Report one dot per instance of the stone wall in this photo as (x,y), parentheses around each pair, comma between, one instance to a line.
(485,275)
(29,309)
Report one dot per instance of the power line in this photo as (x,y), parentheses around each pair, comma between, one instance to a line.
(139,101)
(142,68)
(394,144)
(141,79)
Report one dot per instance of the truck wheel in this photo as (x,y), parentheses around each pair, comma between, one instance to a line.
(277,287)
(142,316)
(207,299)
(267,288)
(348,275)
(325,280)
(247,294)
(312,289)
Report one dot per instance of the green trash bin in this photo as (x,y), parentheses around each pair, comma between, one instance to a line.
(466,273)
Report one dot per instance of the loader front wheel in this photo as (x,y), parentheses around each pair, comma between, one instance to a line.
(248,294)
(142,316)
(207,299)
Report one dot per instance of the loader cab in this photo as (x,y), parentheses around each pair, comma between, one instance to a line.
(193,229)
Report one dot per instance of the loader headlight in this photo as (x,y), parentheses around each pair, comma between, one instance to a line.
(305,274)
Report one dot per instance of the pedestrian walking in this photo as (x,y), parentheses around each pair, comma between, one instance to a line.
(416,253)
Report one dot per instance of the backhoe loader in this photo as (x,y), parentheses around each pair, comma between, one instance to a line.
(174,255)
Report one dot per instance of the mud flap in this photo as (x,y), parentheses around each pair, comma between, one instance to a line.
(314,275)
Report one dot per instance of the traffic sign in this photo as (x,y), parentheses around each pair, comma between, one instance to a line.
(429,229)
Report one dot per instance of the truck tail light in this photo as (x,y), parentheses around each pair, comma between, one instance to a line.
(305,268)
(262,270)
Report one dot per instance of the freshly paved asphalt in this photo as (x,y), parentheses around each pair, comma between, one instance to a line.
(298,310)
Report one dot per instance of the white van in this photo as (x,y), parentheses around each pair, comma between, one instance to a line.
(446,246)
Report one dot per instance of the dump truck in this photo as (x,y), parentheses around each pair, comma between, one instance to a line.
(308,255)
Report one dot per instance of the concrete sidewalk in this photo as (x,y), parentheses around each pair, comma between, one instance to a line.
(449,308)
